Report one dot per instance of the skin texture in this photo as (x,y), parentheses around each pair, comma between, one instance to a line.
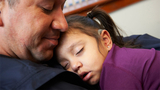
(79,53)
(30,30)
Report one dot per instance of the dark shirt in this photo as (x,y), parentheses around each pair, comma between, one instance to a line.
(18,74)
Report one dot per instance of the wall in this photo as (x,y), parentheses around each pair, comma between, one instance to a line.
(139,18)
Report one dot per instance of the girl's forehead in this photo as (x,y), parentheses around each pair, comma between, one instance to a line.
(69,37)
(71,33)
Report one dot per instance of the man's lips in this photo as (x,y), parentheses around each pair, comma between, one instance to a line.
(53,40)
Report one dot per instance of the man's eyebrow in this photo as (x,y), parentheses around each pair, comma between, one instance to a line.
(70,48)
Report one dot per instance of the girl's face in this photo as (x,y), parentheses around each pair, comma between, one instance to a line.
(79,53)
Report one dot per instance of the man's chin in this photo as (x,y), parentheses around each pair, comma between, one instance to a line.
(44,57)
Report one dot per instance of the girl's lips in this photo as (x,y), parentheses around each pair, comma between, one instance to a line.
(85,76)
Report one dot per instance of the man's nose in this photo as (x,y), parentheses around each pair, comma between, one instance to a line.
(60,23)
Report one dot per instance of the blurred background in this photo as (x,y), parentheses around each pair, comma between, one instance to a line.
(134,17)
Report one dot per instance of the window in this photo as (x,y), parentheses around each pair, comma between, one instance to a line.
(83,6)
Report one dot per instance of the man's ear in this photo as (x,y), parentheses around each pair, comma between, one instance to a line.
(1,7)
(1,22)
(107,41)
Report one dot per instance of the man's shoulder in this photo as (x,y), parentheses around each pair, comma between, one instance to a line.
(18,74)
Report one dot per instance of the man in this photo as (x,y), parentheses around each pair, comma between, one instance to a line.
(29,31)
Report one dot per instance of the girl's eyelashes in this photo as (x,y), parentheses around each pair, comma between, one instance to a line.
(66,66)
(79,51)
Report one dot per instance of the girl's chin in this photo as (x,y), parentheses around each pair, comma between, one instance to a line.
(93,82)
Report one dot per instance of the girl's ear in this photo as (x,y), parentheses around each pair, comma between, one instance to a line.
(107,41)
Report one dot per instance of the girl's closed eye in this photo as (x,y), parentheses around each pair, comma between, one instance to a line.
(79,51)
(66,66)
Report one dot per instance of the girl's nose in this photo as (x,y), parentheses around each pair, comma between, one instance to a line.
(76,66)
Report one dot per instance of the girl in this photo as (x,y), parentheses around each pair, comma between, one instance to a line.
(93,48)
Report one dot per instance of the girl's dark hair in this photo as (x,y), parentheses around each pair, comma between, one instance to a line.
(90,26)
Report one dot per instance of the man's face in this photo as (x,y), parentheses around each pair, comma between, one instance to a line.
(32,28)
